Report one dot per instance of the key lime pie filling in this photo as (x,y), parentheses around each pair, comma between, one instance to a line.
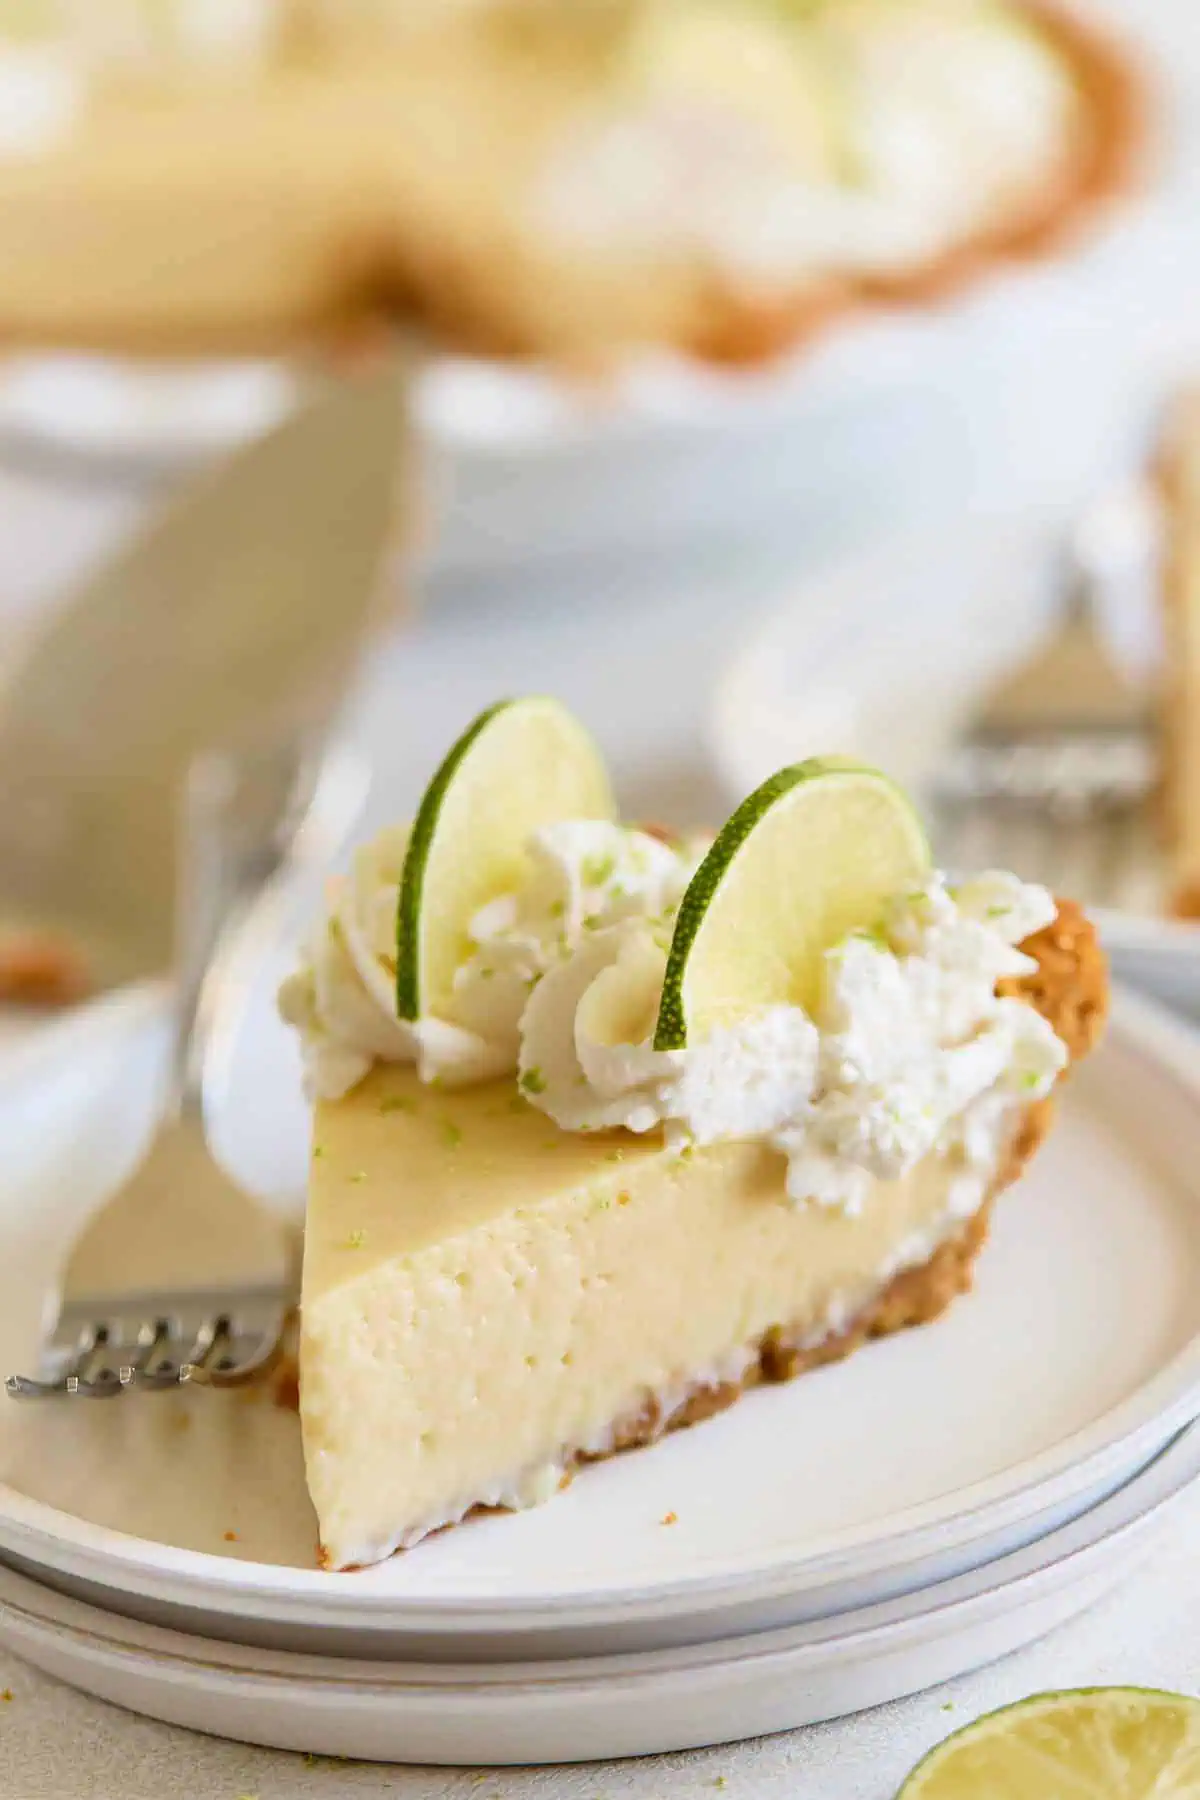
(666,1118)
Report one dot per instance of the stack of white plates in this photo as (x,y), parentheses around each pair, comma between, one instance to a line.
(932,1503)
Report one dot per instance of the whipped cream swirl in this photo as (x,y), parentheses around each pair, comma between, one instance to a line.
(585,877)
(909,1050)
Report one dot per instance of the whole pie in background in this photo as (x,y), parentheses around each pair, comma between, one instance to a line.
(722,177)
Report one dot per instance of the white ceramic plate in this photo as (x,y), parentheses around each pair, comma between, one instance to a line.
(887,655)
(912,1461)
(600,1707)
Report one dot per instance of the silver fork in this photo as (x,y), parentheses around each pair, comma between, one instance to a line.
(1054,774)
(182,1276)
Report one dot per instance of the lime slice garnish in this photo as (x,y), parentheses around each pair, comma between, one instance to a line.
(522,764)
(815,853)
(1083,1744)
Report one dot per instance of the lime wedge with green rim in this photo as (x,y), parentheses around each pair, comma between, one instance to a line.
(814,853)
(1086,1743)
(522,764)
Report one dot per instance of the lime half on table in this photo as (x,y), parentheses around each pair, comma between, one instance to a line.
(1108,1743)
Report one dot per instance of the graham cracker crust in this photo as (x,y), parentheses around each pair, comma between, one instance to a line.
(1070,990)
(41,968)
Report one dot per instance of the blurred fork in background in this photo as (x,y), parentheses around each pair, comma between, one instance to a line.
(1056,773)
(237,618)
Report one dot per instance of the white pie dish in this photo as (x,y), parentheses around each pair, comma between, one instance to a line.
(929,1483)
(607,1706)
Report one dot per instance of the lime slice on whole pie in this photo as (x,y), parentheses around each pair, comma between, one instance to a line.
(522,764)
(814,853)
(1085,1744)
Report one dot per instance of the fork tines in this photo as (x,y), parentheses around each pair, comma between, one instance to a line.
(156,1342)
(1061,772)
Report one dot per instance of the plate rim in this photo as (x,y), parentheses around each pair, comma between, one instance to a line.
(53,1539)
(1138,1502)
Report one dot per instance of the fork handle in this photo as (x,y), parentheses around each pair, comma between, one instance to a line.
(204,897)
(237,815)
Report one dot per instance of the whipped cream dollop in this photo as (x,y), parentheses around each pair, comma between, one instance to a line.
(912,126)
(585,877)
(908,1050)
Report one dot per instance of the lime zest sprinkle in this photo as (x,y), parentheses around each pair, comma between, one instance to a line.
(486,974)
(592,921)
(396,1103)
(599,869)
(873,934)
(532,1081)
(452,1135)
(614,1156)
(516,1105)
(1030,1078)
(557,909)
(358,1175)
(998,910)
(318,1152)
(356,1239)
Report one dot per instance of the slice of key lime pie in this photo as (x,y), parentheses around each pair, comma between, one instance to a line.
(610,1126)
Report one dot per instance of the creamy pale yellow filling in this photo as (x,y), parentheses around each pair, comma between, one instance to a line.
(484,1295)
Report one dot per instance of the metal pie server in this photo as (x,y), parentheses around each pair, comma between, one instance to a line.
(236,619)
